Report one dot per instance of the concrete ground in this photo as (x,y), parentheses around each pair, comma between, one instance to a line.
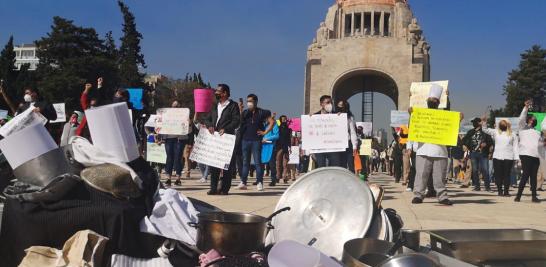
(470,209)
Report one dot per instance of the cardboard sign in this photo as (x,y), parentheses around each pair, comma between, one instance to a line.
(3,114)
(399,118)
(173,121)
(21,121)
(367,128)
(295,124)
(366,147)
(540,118)
(213,150)
(27,144)
(514,123)
(420,91)
(135,97)
(294,157)
(434,126)
(325,131)
(61,113)
(151,121)
(156,153)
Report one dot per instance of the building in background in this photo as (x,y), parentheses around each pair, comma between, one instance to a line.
(26,54)
(153,79)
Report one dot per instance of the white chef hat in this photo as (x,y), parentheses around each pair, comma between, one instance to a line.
(112,131)
(436,91)
(27,144)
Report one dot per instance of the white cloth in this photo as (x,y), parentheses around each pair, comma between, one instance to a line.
(436,91)
(352,131)
(126,261)
(170,217)
(529,138)
(431,150)
(221,107)
(89,155)
(506,146)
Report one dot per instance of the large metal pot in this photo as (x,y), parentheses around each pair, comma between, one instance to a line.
(354,249)
(232,234)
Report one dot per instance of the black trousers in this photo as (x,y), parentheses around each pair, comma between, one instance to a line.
(226,178)
(502,170)
(413,172)
(529,166)
(397,168)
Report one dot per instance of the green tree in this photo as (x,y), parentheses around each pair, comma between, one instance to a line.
(69,57)
(8,72)
(130,55)
(528,81)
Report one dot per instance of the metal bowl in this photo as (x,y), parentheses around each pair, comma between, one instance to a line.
(354,249)
(411,260)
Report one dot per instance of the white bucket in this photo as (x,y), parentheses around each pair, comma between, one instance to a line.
(290,253)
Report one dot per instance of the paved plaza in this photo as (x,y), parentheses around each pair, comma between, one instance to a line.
(470,209)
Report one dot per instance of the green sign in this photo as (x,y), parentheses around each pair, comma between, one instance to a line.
(540,118)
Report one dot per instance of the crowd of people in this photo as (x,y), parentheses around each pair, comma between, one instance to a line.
(499,157)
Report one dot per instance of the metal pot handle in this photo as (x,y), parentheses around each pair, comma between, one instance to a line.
(269,225)
(193,224)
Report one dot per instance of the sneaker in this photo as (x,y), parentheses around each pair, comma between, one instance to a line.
(517,199)
(203,180)
(272,184)
(476,189)
(408,189)
(535,200)
(241,186)
(260,187)
(416,200)
(168,183)
(255,183)
(446,202)
(540,189)
(177,182)
(463,186)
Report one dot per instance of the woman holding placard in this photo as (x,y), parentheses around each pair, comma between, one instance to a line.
(174,146)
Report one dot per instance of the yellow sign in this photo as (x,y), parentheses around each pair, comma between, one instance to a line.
(366,147)
(434,126)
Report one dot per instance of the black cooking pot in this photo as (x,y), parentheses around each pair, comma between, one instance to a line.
(232,234)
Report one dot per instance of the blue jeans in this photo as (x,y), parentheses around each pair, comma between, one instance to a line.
(253,148)
(174,148)
(204,170)
(480,164)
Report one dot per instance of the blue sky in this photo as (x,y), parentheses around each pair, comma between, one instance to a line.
(260,46)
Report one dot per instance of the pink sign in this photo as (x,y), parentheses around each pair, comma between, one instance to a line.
(295,124)
(203,99)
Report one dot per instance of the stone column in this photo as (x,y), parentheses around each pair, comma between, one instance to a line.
(352,24)
(372,27)
(382,24)
(362,23)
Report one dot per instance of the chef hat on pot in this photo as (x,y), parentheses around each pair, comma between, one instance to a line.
(436,91)
(111,130)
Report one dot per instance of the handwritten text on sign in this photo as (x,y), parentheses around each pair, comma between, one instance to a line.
(173,121)
(399,118)
(156,153)
(420,93)
(434,126)
(324,131)
(366,147)
(213,150)
(294,157)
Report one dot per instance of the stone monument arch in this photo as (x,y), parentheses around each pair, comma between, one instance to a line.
(366,46)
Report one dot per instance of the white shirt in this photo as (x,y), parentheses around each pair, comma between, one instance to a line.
(529,138)
(221,107)
(431,150)
(506,146)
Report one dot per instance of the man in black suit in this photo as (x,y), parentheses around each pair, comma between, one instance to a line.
(33,99)
(225,118)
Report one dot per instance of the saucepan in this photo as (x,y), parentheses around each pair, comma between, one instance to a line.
(231,233)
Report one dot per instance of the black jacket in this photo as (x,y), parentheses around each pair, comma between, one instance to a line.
(467,141)
(229,121)
(46,109)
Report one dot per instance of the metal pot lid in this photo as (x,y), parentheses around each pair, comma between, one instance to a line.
(329,207)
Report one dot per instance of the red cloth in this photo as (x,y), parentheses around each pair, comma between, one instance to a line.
(85,105)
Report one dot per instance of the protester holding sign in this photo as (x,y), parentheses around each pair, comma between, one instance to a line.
(431,159)
(529,142)
(506,151)
(174,146)
(252,132)
(34,100)
(327,158)
(225,117)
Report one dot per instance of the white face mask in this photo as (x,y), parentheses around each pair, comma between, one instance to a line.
(328,107)
(27,98)
(250,105)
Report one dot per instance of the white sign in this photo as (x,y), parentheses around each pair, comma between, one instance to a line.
(367,128)
(26,118)
(3,114)
(294,155)
(325,131)
(156,153)
(173,121)
(61,112)
(213,150)
(399,118)
(151,121)
(420,91)
(514,123)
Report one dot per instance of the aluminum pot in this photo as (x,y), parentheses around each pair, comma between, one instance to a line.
(354,249)
(232,234)
(411,260)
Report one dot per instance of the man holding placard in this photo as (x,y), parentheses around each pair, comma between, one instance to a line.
(225,118)
(433,129)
